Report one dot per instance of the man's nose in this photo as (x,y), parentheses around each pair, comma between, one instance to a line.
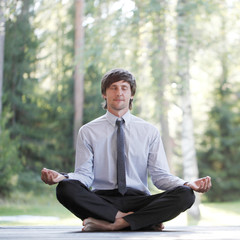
(119,91)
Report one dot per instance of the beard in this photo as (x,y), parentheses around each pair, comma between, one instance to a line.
(118,106)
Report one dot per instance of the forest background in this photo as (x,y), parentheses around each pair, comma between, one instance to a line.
(185,56)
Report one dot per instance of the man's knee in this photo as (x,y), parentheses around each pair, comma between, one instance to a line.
(186,197)
(67,188)
(62,190)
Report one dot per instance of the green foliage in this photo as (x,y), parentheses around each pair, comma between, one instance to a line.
(40,126)
(10,164)
(220,153)
(30,182)
(19,96)
(19,80)
(55,102)
(137,35)
(93,97)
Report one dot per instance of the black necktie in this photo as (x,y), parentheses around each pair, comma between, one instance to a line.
(121,178)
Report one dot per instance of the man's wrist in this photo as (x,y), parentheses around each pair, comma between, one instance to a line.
(187,184)
(64,174)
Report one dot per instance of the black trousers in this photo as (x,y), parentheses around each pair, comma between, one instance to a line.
(148,210)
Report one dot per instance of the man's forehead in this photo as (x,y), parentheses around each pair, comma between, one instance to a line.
(120,83)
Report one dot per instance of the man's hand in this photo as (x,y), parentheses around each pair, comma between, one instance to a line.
(51,177)
(201,185)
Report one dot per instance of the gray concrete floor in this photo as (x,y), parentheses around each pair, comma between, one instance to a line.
(170,233)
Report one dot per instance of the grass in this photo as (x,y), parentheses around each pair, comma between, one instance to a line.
(29,204)
(227,213)
(212,214)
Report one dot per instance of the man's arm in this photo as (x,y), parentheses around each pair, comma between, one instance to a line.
(158,165)
(51,177)
(201,185)
(83,165)
(162,179)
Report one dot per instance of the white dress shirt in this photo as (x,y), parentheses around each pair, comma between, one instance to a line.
(96,155)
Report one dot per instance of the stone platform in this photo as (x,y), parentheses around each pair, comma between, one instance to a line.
(68,233)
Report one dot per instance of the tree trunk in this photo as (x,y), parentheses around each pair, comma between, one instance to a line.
(190,168)
(2,38)
(79,72)
(163,80)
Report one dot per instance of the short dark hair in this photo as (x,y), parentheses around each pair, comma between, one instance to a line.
(116,75)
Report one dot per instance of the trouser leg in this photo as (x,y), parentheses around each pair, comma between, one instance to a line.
(148,210)
(84,203)
(162,207)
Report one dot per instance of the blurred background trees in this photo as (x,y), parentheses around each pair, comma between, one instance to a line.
(184,55)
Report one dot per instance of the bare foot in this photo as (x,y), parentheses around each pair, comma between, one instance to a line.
(158,227)
(92,225)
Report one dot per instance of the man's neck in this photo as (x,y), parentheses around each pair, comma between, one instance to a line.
(118,113)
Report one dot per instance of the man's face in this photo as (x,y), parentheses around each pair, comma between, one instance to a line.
(118,96)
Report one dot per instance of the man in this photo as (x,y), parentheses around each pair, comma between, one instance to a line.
(114,154)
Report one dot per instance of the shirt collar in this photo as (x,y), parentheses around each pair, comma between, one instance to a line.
(112,118)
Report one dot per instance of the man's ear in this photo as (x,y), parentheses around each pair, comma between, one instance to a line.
(104,96)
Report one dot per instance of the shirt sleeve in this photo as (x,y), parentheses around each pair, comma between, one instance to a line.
(158,166)
(83,160)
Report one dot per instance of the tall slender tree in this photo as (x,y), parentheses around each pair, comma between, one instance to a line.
(190,167)
(160,65)
(2,39)
(79,67)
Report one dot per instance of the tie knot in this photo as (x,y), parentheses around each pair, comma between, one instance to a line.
(119,122)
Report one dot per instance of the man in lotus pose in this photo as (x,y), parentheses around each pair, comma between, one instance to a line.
(114,155)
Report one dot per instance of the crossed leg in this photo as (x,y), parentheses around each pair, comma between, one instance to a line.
(92,224)
(108,214)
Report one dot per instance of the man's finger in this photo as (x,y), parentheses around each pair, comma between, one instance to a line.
(209,182)
(47,176)
(44,176)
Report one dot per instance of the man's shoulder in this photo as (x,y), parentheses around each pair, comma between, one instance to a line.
(95,122)
(139,122)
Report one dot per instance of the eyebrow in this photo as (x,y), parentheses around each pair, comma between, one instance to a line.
(125,84)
